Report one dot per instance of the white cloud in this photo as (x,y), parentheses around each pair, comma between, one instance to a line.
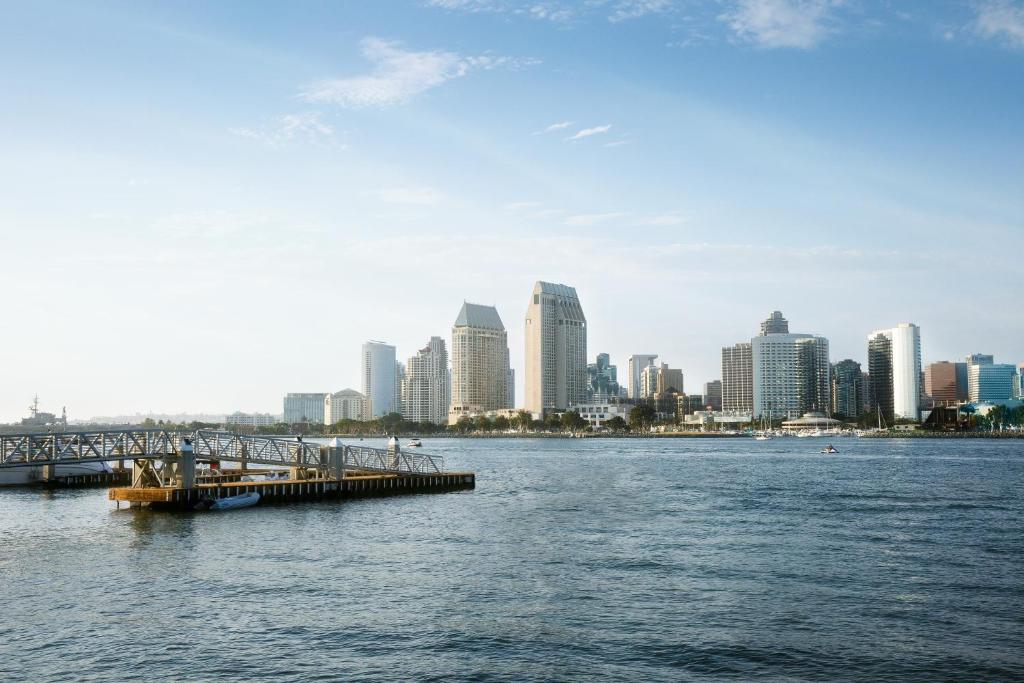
(616,143)
(582,220)
(666,219)
(633,9)
(587,132)
(399,75)
(561,125)
(304,126)
(416,196)
(1001,19)
(780,23)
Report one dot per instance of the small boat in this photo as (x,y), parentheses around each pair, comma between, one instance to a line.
(829,449)
(243,500)
(762,437)
(414,443)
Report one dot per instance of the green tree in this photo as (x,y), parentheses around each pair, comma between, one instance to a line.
(572,421)
(552,421)
(642,416)
(501,423)
(616,424)
(464,424)
(524,420)
(482,423)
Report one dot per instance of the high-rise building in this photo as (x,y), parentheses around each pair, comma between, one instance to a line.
(637,363)
(659,379)
(398,403)
(556,349)
(990,382)
(304,408)
(602,380)
(737,378)
(713,394)
(511,402)
(847,390)
(480,369)
(426,392)
(980,359)
(775,324)
(941,383)
(894,363)
(378,369)
(1018,380)
(791,375)
(347,404)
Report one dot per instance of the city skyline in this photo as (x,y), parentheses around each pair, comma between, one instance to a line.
(198,191)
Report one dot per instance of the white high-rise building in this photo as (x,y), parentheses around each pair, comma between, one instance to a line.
(637,363)
(379,372)
(480,369)
(556,349)
(894,364)
(426,392)
(791,375)
(347,404)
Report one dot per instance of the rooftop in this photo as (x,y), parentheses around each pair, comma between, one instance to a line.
(475,315)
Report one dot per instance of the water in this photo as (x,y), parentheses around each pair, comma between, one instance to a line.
(613,559)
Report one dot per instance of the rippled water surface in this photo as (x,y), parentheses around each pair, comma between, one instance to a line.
(607,559)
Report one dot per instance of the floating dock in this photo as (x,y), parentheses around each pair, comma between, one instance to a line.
(286,490)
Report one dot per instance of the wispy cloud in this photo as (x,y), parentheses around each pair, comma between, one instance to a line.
(1001,19)
(587,132)
(416,196)
(780,23)
(561,125)
(666,219)
(582,220)
(303,127)
(616,143)
(634,9)
(399,75)
(560,11)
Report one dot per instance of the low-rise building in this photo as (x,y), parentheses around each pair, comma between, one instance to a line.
(347,404)
(307,407)
(598,413)
(240,419)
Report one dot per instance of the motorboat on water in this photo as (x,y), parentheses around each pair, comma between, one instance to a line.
(762,437)
(242,500)
(414,443)
(828,450)
(22,476)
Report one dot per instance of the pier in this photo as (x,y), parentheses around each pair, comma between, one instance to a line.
(167,467)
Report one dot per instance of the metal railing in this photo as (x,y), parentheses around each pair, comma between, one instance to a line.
(20,450)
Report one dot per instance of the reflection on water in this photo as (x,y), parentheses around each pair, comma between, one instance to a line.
(610,559)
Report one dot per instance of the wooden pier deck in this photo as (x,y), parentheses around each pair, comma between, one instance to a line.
(280,490)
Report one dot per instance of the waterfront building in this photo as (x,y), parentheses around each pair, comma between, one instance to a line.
(691,403)
(347,404)
(426,393)
(480,368)
(980,359)
(869,404)
(597,413)
(637,363)
(775,324)
(894,363)
(308,407)
(961,381)
(511,401)
(990,382)
(941,382)
(378,376)
(658,379)
(737,378)
(556,349)
(240,419)
(791,375)
(713,395)
(847,389)
(602,379)
(396,406)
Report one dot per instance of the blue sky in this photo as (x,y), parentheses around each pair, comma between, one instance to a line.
(207,205)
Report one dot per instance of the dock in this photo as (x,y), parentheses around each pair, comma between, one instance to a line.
(167,467)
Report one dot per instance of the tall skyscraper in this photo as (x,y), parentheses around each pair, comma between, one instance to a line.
(980,359)
(511,402)
(398,405)
(713,394)
(480,369)
(847,389)
(602,380)
(556,349)
(304,408)
(659,379)
(637,363)
(378,378)
(426,392)
(941,382)
(894,363)
(791,375)
(775,324)
(737,378)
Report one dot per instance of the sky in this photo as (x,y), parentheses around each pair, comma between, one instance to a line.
(207,205)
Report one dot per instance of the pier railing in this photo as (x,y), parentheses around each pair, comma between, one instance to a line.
(381,460)
(152,444)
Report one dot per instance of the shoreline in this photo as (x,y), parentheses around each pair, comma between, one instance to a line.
(680,435)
